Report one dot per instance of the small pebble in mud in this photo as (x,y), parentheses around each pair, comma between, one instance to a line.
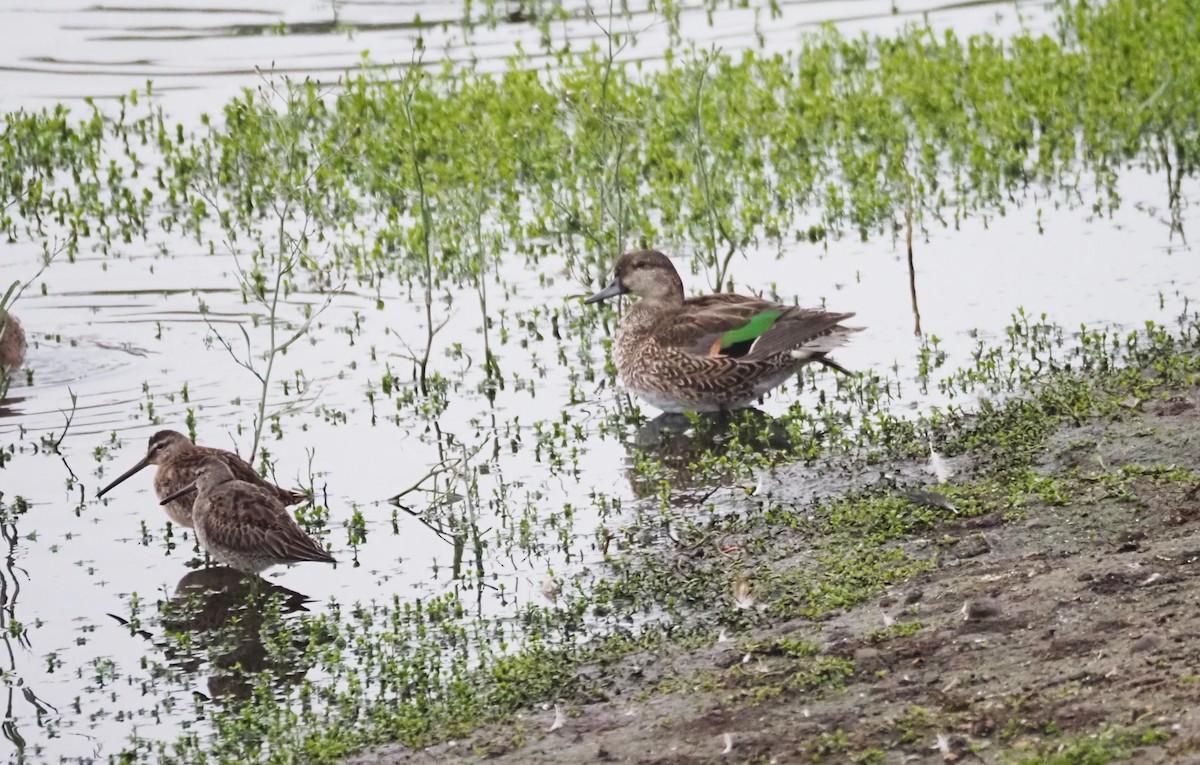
(980,608)
(1151,641)
(727,658)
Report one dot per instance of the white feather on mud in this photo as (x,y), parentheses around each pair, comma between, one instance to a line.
(743,592)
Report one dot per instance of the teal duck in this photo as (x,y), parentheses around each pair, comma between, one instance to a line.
(178,461)
(12,342)
(243,524)
(713,352)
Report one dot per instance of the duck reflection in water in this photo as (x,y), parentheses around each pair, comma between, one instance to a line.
(225,618)
(679,444)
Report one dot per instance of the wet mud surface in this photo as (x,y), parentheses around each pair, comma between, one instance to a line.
(1052,633)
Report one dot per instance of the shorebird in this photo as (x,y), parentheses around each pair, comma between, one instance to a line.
(178,460)
(12,343)
(713,352)
(245,525)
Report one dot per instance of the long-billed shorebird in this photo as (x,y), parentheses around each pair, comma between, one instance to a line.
(244,525)
(712,352)
(178,461)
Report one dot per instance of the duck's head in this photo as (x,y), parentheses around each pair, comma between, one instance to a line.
(648,274)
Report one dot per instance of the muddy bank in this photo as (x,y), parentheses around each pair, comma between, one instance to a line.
(1050,617)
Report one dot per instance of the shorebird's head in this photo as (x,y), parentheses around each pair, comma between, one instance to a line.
(212,471)
(164,446)
(648,274)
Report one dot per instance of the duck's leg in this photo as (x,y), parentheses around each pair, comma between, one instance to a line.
(829,363)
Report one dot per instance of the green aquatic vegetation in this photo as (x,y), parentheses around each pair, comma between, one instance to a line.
(436,176)
(870,135)
(440,179)
(1109,745)
(715,153)
(274,196)
(65,181)
(1138,101)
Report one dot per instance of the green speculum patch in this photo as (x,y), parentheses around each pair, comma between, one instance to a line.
(753,330)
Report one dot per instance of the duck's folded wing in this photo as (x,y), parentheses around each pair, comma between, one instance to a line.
(719,325)
(802,332)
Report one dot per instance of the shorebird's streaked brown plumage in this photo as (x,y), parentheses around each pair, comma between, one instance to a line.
(244,525)
(713,352)
(178,460)
(12,343)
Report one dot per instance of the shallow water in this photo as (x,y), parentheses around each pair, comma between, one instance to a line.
(123,335)
(198,56)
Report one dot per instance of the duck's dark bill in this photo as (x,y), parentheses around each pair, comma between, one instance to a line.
(612,290)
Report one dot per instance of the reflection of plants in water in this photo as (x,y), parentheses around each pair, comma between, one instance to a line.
(6,303)
(13,633)
(234,626)
(452,511)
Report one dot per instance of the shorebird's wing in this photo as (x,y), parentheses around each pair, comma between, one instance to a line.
(244,471)
(248,520)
